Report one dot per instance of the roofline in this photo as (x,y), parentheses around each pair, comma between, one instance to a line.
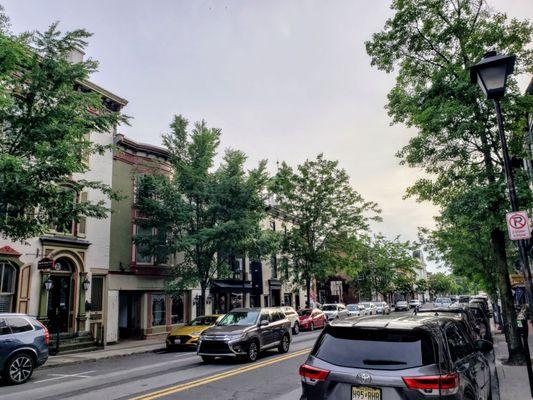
(93,86)
(122,140)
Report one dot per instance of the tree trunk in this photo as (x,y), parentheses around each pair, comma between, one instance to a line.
(201,303)
(308,287)
(514,344)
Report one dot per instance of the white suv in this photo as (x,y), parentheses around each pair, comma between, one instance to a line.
(292,316)
(335,311)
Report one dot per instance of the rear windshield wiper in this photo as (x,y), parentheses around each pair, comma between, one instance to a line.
(383,362)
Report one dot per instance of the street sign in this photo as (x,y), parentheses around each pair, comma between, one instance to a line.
(518,225)
(45,263)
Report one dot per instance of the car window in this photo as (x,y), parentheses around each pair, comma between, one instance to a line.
(330,307)
(18,324)
(304,312)
(4,327)
(265,316)
(457,344)
(275,316)
(383,349)
(201,321)
(241,318)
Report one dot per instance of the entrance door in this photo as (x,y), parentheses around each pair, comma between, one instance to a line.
(129,315)
(59,302)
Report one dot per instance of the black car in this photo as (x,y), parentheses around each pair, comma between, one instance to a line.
(397,358)
(244,332)
(23,346)
(462,313)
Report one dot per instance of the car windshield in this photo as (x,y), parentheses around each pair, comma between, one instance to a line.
(239,318)
(366,305)
(442,300)
(304,313)
(352,307)
(376,349)
(203,321)
(329,307)
(401,303)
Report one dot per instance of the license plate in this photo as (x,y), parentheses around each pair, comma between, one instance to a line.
(365,393)
(177,341)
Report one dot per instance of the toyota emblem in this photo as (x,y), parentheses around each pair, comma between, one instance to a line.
(364,377)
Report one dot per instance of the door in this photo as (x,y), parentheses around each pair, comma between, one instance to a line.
(129,315)
(7,342)
(266,332)
(59,303)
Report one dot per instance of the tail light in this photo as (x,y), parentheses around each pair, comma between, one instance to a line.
(313,375)
(448,384)
(46,333)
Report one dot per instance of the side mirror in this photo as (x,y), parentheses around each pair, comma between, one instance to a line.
(264,323)
(484,346)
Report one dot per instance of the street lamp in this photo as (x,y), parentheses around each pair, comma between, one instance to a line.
(491,74)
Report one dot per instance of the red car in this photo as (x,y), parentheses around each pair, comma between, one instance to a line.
(311,319)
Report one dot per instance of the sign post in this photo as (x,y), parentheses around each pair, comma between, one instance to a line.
(518,225)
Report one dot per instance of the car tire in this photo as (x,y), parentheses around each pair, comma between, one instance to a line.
(253,351)
(284,344)
(296,329)
(19,368)
(208,359)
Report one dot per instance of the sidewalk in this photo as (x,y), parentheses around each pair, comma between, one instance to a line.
(514,384)
(124,348)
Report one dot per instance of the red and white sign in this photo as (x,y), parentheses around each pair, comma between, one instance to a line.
(518,225)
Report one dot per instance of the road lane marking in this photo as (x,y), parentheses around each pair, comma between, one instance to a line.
(219,376)
(61,376)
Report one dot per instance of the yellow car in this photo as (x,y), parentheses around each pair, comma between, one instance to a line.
(187,335)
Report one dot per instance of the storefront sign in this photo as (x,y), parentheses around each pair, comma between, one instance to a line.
(45,263)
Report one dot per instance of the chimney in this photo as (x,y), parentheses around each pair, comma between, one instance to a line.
(76,55)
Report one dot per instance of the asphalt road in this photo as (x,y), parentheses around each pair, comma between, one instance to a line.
(175,375)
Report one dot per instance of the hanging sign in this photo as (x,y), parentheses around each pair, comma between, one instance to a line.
(45,263)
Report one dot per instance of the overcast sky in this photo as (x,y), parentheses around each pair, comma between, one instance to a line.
(284,80)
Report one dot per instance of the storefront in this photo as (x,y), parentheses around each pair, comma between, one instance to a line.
(228,294)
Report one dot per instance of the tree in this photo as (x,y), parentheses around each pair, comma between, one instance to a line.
(421,286)
(433,43)
(45,117)
(326,208)
(404,283)
(440,284)
(204,217)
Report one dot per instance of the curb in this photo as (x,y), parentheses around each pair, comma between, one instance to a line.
(105,357)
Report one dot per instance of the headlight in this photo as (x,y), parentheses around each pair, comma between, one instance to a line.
(196,333)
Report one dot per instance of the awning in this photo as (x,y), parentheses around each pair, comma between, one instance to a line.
(232,284)
(274,283)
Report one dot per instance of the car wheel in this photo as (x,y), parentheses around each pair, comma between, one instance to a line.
(208,359)
(296,328)
(284,344)
(253,351)
(19,369)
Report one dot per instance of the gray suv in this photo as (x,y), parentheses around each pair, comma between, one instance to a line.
(23,346)
(397,358)
(244,332)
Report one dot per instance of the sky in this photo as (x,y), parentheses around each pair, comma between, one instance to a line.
(285,80)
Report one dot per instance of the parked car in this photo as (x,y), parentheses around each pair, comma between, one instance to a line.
(292,316)
(408,357)
(335,311)
(311,318)
(356,310)
(370,307)
(187,335)
(416,304)
(382,307)
(482,318)
(23,346)
(443,302)
(463,299)
(244,333)
(460,313)
(402,306)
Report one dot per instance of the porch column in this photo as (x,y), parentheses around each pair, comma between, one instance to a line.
(82,315)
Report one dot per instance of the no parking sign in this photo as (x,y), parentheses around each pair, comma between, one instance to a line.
(518,225)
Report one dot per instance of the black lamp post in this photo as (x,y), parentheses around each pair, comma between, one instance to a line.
(491,74)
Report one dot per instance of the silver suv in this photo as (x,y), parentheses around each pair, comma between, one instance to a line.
(397,358)
(244,332)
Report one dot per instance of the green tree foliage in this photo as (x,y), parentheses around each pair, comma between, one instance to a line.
(204,216)
(318,195)
(45,117)
(440,284)
(421,285)
(432,44)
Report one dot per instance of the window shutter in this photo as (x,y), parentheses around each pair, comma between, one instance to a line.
(82,225)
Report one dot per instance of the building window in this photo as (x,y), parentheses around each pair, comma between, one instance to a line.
(158,310)
(82,224)
(97,290)
(7,286)
(274,266)
(141,256)
(178,314)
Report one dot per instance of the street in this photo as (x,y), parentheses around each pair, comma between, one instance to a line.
(171,376)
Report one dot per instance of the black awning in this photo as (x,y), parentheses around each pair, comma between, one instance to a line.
(232,284)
